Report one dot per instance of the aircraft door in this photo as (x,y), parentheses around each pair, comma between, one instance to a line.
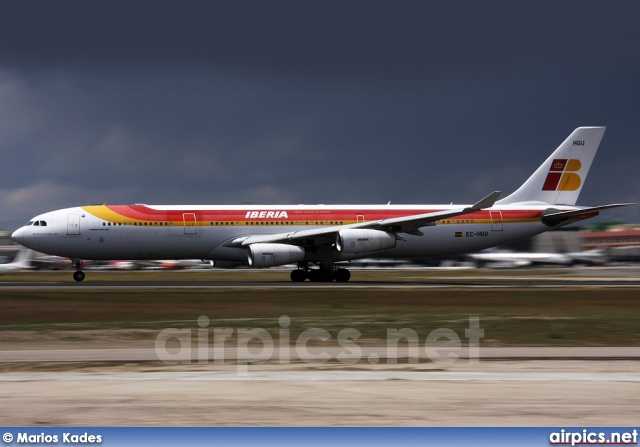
(190,223)
(496,220)
(73,224)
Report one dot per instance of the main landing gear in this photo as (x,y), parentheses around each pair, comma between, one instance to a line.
(321,275)
(78,275)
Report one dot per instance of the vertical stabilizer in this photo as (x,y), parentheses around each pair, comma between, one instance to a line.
(560,178)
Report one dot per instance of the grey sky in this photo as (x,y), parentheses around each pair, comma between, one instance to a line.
(332,102)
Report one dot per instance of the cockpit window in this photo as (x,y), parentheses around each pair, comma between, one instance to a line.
(43,223)
(36,223)
(29,223)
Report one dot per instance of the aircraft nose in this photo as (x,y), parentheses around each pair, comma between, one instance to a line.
(18,236)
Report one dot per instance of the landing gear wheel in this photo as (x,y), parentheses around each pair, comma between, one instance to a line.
(298,275)
(342,275)
(78,276)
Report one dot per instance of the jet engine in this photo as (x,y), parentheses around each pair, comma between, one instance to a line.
(269,255)
(362,241)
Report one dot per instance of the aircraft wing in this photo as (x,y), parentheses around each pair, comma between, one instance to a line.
(406,224)
(556,217)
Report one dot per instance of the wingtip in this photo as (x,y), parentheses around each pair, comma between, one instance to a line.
(488,201)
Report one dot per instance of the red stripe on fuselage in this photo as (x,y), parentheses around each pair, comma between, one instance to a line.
(141,212)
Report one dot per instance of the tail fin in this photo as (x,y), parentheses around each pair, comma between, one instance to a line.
(560,178)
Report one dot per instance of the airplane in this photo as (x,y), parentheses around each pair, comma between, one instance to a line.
(510,259)
(322,235)
(22,261)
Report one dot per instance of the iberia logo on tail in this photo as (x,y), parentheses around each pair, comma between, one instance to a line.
(563,175)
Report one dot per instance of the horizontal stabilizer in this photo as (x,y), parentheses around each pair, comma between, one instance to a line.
(554,217)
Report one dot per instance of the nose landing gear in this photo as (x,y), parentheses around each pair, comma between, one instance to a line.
(78,275)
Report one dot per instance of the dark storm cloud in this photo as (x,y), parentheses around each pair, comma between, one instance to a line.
(309,103)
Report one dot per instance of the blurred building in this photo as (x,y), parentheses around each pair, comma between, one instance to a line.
(620,242)
(5,238)
(8,247)
(564,240)
(613,236)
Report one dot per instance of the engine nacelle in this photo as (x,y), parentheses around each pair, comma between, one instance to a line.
(363,241)
(269,255)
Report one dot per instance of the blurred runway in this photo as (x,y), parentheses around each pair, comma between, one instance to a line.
(117,377)
(490,393)
(368,355)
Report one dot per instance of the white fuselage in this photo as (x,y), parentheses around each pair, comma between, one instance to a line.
(140,232)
